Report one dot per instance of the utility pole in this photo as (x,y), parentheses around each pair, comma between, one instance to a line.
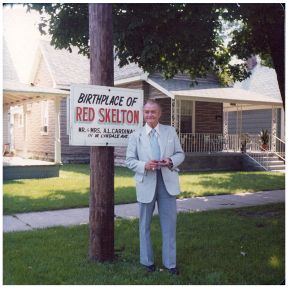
(101,204)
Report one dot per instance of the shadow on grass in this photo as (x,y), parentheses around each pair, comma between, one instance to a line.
(61,199)
(208,183)
(85,169)
(223,183)
(17,182)
(58,199)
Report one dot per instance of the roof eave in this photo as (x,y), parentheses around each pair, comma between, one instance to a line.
(141,77)
(16,97)
(160,88)
(228,95)
(224,100)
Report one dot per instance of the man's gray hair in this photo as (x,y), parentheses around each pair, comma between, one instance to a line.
(153,102)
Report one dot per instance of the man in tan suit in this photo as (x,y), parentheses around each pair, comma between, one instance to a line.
(153,153)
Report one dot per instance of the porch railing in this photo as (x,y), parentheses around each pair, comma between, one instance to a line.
(280,148)
(213,142)
(260,156)
(203,142)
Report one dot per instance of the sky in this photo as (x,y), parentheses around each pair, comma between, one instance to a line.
(21,33)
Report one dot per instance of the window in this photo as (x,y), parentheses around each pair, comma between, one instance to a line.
(18,119)
(44,117)
(186,116)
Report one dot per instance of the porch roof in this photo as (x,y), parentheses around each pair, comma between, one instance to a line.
(228,95)
(14,92)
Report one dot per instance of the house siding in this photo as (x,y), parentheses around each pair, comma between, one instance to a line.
(208,117)
(137,85)
(253,121)
(39,146)
(75,154)
(5,125)
(166,110)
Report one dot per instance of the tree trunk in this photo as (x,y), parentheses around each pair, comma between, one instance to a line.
(275,31)
(277,43)
(101,205)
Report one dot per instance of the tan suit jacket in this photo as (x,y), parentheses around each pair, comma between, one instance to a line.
(139,152)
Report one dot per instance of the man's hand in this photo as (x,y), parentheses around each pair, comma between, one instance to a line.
(154,164)
(166,163)
(151,165)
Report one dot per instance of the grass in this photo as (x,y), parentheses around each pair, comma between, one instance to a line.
(237,246)
(71,189)
(216,183)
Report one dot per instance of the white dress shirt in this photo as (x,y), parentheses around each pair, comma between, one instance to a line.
(149,129)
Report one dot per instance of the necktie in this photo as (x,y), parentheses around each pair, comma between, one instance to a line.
(155,148)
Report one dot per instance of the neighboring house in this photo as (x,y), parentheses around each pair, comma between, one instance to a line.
(9,74)
(197,112)
(263,80)
(30,122)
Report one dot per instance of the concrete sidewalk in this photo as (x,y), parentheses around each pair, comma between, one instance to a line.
(78,216)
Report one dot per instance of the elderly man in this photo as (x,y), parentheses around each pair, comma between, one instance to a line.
(153,153)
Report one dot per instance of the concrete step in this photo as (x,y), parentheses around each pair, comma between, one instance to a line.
(274,162)
(271,158)
(277,167)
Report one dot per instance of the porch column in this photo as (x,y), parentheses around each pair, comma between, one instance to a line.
(173,103)
(282,134)
(273,129)
(175,115)
(239,120)
(57,142)
(225,128)
(25,150)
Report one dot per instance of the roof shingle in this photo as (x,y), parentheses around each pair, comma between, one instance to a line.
(67,68)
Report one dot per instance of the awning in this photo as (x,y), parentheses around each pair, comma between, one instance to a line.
(15,93)
(227,95)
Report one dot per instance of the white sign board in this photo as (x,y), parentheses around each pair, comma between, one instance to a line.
(103,116)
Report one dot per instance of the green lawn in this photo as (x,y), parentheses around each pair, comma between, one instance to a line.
(71,189)
(237,246)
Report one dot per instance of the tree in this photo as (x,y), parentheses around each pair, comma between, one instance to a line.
(193,44)
(172,38)
(261,33)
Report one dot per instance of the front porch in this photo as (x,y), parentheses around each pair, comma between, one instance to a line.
(212,142)
(20,168)
(206,136)
(214,152)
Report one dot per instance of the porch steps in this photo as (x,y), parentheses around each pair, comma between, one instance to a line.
(273,163)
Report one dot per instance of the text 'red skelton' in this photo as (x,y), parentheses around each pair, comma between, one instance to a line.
(107,115)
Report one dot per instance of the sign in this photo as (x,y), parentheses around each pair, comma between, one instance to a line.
(103,116)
